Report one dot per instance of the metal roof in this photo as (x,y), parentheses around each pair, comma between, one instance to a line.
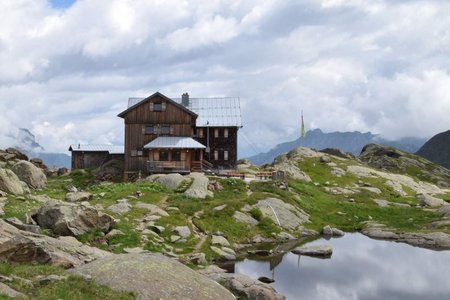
(173,142)
(112,149)
(212,112)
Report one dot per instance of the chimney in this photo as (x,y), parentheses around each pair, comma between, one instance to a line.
(185,100)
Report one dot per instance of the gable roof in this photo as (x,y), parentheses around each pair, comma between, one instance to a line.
(139,101)
(212,112)
(111,149)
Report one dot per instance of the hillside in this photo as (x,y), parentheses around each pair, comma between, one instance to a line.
(202,220)
(437,149)
(351,142)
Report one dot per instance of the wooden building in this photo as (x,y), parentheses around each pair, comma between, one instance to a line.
(93,156)
(180,135)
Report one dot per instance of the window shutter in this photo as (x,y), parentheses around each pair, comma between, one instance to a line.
(163,106)
(225,133)
(143,129)
(171,130)
(183,155)
(156,155)
(151,106)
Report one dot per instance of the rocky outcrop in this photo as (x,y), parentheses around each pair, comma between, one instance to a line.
(121,207)
(30,174)
(430,240)
(338,153)
(394,160)
(199,186)
(396,179)
(18,246)
(152,276)
(70,219)
(244,218)
(10,183)
(283,214)
(242,286)
(430,201)
(316,251)
(9,292)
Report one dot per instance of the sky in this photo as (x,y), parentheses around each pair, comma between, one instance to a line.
(68,67)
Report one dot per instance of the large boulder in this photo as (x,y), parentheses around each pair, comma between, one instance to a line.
(152,276)
(283,214)
(10,183)
(199,186)
(324,251)
(24,247)
(171,181)
(70,219)
(30,174)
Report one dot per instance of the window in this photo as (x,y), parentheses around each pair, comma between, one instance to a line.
(156,156)
(176,155)
(157,107)
(133,152)
(165,130)
(163,155)
(225,155)
(149,129)
(216,132)
(216,155)
(200,132)
(225,132)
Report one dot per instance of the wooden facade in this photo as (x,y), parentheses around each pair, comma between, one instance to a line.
(222,145)
(156,116)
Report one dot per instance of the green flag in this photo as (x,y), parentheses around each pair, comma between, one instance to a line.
(303,133)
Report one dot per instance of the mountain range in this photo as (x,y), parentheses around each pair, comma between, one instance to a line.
(25,141)
(347,141)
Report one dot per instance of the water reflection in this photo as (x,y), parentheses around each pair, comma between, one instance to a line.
(360,268)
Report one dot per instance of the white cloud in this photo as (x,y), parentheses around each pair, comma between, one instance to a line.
(361,65)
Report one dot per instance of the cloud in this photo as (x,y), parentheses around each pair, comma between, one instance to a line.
(361,65)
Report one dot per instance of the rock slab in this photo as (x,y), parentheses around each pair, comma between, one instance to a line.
(152,276)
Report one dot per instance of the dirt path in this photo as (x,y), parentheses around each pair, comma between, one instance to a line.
(162,202)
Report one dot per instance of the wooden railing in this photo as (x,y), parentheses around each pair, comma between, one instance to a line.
(161,166)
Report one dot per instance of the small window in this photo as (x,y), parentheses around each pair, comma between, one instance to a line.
(156,156)
(149,129)
(216,155)
(176,155)
(225,132)
(165,130)
(225,155)
(134,153)
(157,107)
(140,153)
(163,155)
(216,132)
(200,132)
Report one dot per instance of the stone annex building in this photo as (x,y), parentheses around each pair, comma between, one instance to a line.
(171,135)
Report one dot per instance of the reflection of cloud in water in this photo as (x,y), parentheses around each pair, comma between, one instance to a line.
(360,268)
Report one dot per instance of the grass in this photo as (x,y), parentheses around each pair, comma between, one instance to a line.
(71,288)
(326,209)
